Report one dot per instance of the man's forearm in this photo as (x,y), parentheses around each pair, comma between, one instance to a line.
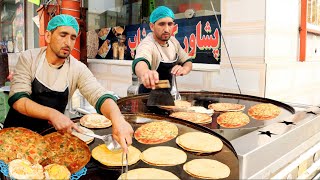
(141,68)
(110,109)
(32,109)
(187,66)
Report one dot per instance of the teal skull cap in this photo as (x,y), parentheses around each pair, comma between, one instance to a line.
(63,20)
(161,12)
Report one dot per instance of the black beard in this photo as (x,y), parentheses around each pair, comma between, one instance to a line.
(61,57)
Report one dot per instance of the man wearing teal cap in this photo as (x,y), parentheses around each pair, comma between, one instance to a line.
(46,78)
(159,55)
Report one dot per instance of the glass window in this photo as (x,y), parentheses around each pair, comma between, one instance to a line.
(112,13)
(12,31)
(196,27)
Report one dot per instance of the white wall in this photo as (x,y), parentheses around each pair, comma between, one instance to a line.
(243,28)
(262,38)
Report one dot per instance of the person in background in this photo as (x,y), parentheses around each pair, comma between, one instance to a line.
(159,55)
(45,78)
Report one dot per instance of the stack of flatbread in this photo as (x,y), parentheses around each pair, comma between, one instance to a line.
(226,107)
(95,121)
(206,169)
(109,158)
(198,118)
(148,173)
(199,142)
(163,156)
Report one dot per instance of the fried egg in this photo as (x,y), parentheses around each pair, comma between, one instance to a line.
(56,171)
(200,109)
(23,169)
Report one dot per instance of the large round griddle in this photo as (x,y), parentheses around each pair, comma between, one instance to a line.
(137,104)
(97,171)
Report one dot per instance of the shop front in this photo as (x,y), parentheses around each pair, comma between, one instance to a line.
(256,56)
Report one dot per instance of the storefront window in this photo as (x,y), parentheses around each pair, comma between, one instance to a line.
(126,12)
(121,25)
(12,31)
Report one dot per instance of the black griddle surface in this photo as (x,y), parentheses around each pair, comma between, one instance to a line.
(97,171)
(137,104)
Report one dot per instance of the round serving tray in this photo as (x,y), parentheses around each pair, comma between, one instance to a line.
(97,170)
(137,104)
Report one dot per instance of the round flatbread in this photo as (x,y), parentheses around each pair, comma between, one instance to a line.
(148,173)
(194,117)
(264,111)
(178,104)
(163,156)
(156,132)
(95,121)
(18,142)
(233,119)
(23,169)
(102,154)
(84,138)
(67,150)
(226,107)
(206,169)
(199,142)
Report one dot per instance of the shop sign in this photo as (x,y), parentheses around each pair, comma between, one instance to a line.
(199,37)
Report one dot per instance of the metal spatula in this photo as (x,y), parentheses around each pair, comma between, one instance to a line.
(124,169)
(111,143)
(174,90)
(161,96)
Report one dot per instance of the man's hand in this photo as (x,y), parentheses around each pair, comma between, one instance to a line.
(62,123)
(179,70)
(10,76)
(32,109)
(149,78)
(122,132)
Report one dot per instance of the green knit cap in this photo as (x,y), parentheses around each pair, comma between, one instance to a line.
(161,12)
(63,20)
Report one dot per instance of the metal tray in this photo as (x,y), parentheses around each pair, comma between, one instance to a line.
(137,104)
(227,155)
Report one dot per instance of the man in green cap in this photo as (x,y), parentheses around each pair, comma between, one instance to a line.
(46,78)
(159,55)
